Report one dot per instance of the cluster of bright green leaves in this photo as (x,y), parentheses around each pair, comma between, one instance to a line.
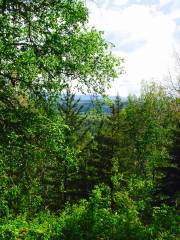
(146,130)
(95,219)
(45,45)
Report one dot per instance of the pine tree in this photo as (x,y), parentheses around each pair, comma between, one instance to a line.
(168,189)
(77,137)
(102,159)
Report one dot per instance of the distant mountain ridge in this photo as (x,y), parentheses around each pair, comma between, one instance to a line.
(90,97)
(88,102)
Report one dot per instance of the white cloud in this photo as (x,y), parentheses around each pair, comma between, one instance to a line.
(175,14)
(165,2)
(120,2)
(138,23)
(105,3)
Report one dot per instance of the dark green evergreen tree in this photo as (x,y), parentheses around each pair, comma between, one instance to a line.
(78,137)
(101,160)
(168,190)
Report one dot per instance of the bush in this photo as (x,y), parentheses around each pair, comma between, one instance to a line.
(95,219)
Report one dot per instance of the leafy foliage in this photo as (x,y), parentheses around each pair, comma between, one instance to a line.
(65,174)
(48,45)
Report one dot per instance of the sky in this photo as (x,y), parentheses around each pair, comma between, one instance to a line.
(145,33)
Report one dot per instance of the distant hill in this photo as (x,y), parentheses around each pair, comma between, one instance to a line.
(90,97)
(88,102)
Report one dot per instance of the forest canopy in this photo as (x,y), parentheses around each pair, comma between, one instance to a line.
(68,174)
(45,45)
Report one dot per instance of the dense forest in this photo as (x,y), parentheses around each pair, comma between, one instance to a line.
(72,174)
